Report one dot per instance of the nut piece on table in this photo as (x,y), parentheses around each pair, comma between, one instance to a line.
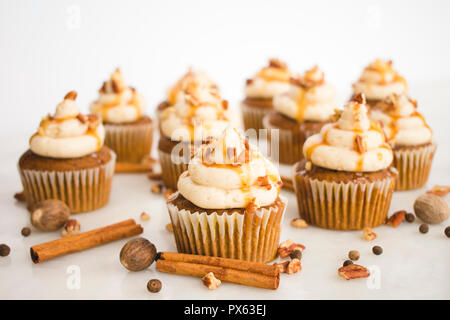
(294,266)
(299,223)
(137,254)
(50,215)
(396,218)
(353,271)
(169,227)
(369,234)
(210,281)
(154,285)
(287,247)
(72,227)
(157,188)
(19,196)
(145,216)
(439,190)
(282,266)
(431,209)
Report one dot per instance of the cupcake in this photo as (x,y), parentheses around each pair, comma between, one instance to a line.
(67,160)
(378,81)
(260,90)
(193,80)
(410,138)
(128,131)
(300,113)
(228,203)
(197,116)
(345,181)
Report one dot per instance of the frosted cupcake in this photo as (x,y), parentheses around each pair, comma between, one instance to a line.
(410,138)
(196,117)
(191,81)
(300,113)
(67,160)
(260,90)
(378,81)
(128,131)
(228,203)
(345,181)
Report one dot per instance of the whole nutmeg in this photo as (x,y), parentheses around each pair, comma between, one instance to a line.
(137,254)
(50,215)
(431,208)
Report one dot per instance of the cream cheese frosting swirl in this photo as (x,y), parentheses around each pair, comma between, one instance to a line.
(199,115)
(379,80)
(403,125)
(353,143)
(309,98)
(269,81)
(68,134)
(118,103)
(229,173)
(194,81)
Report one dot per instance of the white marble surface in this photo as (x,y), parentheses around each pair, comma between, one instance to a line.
(412,266)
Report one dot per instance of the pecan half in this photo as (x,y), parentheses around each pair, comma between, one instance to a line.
(353,271)
(439,190)
(396,218)
(287,247)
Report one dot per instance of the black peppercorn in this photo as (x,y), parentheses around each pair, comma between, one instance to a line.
(4,250)
(154,285)
(26,231)
(423,228)
(447,232)
(347,262)
(410,217)
(377,250)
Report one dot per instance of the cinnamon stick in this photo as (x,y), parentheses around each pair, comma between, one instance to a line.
(85,240)
(228,270)
(287,183)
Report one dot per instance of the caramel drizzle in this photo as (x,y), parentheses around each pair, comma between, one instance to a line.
(105,107)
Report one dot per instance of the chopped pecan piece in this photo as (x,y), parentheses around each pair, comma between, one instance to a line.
(19,196)
(282,266)
(396,218)
(294,266)
(210,281)
(286,248)
(299,223)
(439,190)
(264,182)
(353,271)
(72,95)
(359,98)
(248,81)
(276,63)
(369,234)
(360,143)
(337,114)
(72,227)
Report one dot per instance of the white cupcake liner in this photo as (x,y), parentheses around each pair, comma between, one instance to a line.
(343,206)
(131,143)
(252,237)
(171,171)
(253,117)
(82,190)
(413,166)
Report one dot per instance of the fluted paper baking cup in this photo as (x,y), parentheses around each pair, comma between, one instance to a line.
(290,143)
(82,190)
(251,237)
(413,166)
(131,143)
(343,206)
(170,170)
(253,117)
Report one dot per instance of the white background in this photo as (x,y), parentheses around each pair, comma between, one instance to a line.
(48,48)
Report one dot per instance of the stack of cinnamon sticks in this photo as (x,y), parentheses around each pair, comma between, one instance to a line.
(227,270)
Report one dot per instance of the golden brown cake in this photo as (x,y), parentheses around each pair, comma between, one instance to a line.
(410,137)
(128,131)
(67,160)
(228,203)
(299,113)
(345,181)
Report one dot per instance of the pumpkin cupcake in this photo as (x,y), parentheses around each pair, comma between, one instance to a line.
(260,90)
(378,81)
(410,138)
(228,203)
(300,113)
(128,131)
(345,181)
(67,160)
(197,116)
